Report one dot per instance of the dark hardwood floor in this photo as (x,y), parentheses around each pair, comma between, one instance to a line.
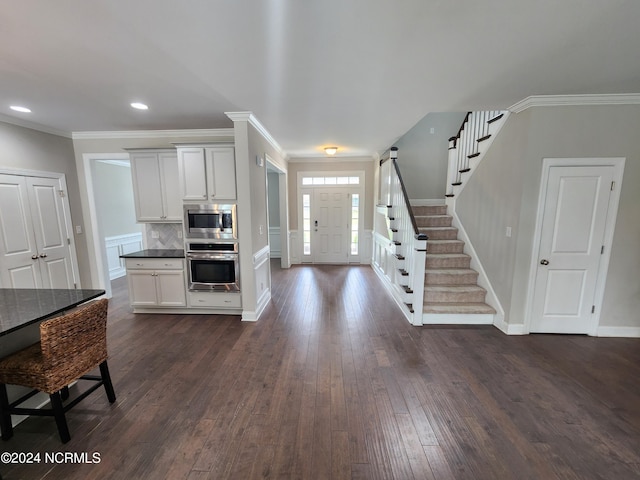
(332,382)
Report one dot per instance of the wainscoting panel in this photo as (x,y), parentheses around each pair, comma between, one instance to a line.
(121,245)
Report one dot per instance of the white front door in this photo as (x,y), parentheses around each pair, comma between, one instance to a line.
(576,203)
(330,228)
(34,245)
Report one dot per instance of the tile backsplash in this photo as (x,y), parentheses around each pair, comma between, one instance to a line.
(169,235)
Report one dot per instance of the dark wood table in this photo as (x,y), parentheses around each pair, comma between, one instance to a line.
(20,307)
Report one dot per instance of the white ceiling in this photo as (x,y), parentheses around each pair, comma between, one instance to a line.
(354,73)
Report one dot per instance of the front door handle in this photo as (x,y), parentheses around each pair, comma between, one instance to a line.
(544,262)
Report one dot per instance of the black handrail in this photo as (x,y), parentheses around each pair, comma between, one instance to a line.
(393,156)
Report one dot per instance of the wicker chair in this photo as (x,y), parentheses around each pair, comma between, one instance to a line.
(70,346)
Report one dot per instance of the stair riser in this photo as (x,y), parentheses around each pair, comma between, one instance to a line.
(441,234)
(435,261)
(454,297)
(435,221)
(430,210)
(470,278)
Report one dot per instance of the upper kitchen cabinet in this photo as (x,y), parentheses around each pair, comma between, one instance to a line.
(207,174)
(156,187)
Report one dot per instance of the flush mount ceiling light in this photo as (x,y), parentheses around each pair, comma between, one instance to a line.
(330,150)
(139,106)
(20,109)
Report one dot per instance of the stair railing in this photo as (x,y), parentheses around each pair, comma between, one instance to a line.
(405,249)
(465,148)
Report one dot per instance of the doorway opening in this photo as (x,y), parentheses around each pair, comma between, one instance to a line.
(114,229)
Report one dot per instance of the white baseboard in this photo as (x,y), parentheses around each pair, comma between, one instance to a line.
(263,301)
(627,332)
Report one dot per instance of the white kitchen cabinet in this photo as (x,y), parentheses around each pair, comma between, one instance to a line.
(156,282)
(214,299)
(156,186)
(207,174)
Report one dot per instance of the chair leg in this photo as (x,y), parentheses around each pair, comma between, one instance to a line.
(58,413)
(5,417)
(64,393)
(106,379)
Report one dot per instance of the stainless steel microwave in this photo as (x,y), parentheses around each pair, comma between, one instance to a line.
(210,221)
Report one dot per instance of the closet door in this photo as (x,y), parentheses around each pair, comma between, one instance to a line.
(34,242)
(46,203)
(19,257)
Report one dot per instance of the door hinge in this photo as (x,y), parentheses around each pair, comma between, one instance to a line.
(68,241)
(613,186)
(602,250)
(593,309)
(61,193)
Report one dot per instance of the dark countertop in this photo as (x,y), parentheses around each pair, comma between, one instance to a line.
(20,307)
(155,253)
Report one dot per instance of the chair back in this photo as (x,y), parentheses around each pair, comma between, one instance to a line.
(75,343)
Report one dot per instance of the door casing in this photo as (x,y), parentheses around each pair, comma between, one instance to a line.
(359,189)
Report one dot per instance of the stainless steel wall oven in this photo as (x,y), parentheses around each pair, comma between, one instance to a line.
(213,266)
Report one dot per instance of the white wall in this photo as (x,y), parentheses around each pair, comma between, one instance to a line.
(504,192)
(422,155)
(114,198)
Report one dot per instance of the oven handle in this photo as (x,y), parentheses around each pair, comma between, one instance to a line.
(211,256)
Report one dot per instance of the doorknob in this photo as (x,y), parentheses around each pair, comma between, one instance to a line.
(544,262)
(43,255)
(34,257)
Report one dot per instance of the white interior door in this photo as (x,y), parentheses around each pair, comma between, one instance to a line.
(35,246)
(20,266)
(575,210)
(330,225)
(51,232)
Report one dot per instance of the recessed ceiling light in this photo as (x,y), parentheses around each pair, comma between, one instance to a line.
(20,109)
(139,106)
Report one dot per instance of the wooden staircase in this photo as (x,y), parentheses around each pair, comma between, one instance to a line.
(450,285)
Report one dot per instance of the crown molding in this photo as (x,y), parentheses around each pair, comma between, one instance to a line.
(250,117)
(33,126)
(212,132)
(570,100)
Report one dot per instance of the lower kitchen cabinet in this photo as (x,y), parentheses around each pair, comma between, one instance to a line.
(156,282)
(215,299)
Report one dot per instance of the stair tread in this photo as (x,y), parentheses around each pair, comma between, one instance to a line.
(449,255)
